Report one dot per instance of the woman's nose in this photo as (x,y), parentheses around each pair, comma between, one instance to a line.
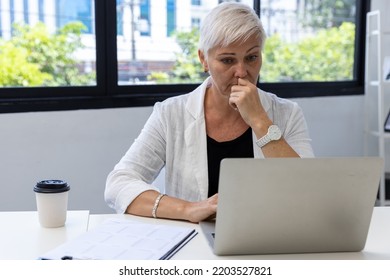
(241,70)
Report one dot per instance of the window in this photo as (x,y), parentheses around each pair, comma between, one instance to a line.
(195,23)
(12,10)
(144,21)
(25,14)
(47,44)
(71,11)
(309,40)
(142,51)
(119,17)
(1,29)
(41,12)
(171,16)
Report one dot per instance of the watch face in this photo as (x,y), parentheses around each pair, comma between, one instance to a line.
(274,132)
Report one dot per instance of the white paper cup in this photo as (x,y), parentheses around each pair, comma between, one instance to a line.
(52,202)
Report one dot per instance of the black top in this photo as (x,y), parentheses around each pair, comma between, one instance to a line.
(241,147)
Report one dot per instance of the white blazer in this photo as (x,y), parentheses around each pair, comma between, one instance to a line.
(174,137)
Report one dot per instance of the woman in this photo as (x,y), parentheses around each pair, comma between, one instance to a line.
(226,116)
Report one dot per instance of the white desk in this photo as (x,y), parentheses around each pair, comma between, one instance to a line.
(377,245)
(22,237)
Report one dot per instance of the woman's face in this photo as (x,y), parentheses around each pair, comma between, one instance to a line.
(239,60)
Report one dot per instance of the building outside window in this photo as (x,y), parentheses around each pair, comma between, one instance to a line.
(144,21)
(50,43)
(156,45)
(70,11)
(41,11)
(196,2)
(171,16)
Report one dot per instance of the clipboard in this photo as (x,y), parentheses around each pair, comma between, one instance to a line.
(119,239)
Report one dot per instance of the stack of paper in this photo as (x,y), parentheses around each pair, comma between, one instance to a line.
(118,239)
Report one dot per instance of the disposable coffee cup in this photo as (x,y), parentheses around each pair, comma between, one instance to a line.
(52,202)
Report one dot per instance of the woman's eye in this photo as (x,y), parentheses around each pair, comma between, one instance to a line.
(252,57)
(227,60)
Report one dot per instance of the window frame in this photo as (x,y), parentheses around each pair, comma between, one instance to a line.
(108,94)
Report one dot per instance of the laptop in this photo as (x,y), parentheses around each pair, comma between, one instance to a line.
(293,205)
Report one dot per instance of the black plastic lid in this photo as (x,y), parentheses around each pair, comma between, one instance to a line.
(51,186)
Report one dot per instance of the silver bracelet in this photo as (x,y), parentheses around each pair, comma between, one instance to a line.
(156,203)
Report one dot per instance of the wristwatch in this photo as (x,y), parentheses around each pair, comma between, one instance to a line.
(273,134)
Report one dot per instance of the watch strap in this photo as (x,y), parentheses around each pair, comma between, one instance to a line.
(273,133)
(263,141)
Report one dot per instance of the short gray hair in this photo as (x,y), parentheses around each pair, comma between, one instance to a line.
(228,23)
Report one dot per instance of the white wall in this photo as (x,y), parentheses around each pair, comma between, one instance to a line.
(336,124)
(82,147)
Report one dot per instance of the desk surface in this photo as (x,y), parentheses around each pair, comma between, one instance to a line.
(377,245)
(21,237)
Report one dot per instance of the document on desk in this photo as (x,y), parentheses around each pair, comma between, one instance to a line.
(119,239)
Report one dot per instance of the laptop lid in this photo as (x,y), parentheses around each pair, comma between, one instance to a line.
(292,205)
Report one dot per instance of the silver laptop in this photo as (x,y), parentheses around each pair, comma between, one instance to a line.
(292,205)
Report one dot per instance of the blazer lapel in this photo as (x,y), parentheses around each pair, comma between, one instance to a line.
(195,139)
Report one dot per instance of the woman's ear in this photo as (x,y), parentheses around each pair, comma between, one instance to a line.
(203,60)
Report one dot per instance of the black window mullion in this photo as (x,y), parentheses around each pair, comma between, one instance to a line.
(362,7)
(111,69)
